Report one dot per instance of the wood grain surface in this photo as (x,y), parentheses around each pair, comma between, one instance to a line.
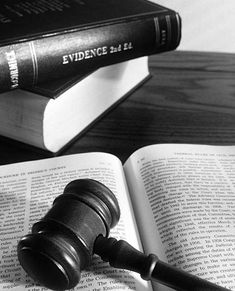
(189,99)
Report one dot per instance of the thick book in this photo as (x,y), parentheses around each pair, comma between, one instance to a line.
(42,40)
(51,115)
(177,201)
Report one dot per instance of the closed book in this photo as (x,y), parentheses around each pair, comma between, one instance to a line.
(49,116)
(44,40)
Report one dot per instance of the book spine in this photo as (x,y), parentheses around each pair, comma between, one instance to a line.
(30,62)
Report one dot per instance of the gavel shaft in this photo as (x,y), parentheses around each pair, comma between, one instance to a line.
(181,280)
(120,254)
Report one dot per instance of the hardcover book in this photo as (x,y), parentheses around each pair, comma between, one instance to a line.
(43,40)
(177,201)
(50,115)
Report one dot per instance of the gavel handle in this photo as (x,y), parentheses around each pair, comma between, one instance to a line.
(120,254)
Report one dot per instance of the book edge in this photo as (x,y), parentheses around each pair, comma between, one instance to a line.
(47,153)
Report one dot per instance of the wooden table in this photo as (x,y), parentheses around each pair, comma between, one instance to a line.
(189,99)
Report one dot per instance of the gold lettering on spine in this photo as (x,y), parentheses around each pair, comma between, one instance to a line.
(13,68)
(86,54)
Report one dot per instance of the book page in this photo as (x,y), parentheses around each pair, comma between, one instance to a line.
(185,195)
(27,191)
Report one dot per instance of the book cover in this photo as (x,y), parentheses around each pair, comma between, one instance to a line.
(55,88)
(43,40)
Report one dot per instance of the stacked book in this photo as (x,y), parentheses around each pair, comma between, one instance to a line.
(64,63)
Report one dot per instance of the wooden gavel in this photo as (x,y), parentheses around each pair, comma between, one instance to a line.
(77,226)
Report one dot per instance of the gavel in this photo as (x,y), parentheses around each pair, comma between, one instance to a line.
(76,227)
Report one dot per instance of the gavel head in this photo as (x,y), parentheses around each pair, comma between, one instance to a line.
(61,243)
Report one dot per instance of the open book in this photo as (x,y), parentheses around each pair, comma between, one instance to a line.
(177,201)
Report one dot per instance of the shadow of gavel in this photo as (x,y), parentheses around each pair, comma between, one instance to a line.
(77,226)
